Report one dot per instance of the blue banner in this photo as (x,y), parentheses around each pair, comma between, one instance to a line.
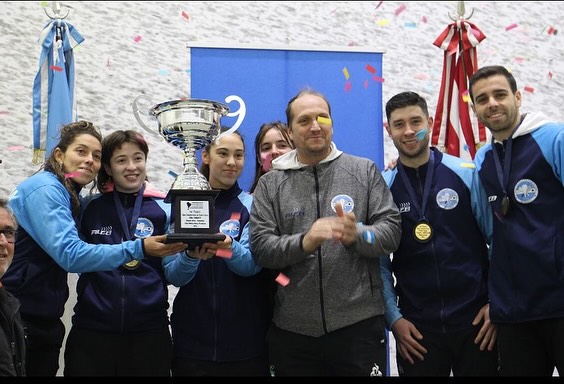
(257,84)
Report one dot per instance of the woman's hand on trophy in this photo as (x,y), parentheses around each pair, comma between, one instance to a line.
(202,252)
(208,250)
(156,246)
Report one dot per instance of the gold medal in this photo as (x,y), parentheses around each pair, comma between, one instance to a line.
(505,205)
(134,264)
(423,232)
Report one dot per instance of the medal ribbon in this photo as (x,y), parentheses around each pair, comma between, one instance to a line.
(503,172)
(129,230)
(426,188)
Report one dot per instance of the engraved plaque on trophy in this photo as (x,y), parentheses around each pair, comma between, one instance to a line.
(190,125)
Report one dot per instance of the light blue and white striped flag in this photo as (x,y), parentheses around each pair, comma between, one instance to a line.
(54,104)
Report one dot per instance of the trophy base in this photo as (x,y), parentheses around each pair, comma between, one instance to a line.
(194,239)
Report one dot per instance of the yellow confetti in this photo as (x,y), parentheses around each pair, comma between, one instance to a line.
(468,165)
(346,73)
(323,120)
(383,22)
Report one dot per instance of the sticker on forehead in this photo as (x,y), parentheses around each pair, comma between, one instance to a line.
(346,202)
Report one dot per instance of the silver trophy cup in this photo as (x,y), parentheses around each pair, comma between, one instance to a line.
(190,125)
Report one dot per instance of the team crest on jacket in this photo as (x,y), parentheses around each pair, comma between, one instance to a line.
(144,228)
(346,202)
(230,228)
(447,199)
(525,191)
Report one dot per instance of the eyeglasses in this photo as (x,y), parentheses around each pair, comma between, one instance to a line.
(9,234)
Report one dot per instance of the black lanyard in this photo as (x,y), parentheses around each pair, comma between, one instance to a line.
(129,230)
(426,188)
(502,173)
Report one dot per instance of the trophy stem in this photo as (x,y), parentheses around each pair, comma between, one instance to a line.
(191,178)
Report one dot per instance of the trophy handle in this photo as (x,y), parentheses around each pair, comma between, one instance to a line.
(137,114)
(241,112)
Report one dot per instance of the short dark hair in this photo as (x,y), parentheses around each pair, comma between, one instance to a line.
(406,99)
(114,141)
(488,71)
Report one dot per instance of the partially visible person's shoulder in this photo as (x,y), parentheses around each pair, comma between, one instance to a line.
(355,159)
(455,162)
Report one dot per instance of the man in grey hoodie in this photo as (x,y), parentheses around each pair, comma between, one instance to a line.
(324,218)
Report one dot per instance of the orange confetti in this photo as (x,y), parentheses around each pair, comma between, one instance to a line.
(282,279)
(236,216)
(466,97)
(137,38)
(55,68)
(370,69)
(510,27)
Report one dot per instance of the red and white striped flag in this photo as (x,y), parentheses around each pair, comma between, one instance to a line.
(454,130)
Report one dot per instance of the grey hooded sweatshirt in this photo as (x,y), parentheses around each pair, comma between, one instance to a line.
(335,286)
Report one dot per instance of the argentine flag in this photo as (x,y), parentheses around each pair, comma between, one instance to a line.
(53,88)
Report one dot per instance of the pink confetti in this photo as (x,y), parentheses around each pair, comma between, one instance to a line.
(282,279)
(365,84)
(379,4)
(549,75)
(378,79)
(348,86)
(399,10)
(370,69)
(137,38)
(4,112)
(529,89)
(424,19)
(225,253)
(185,15)
(422,76)
(56,68)
(16,148)
(510,27)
